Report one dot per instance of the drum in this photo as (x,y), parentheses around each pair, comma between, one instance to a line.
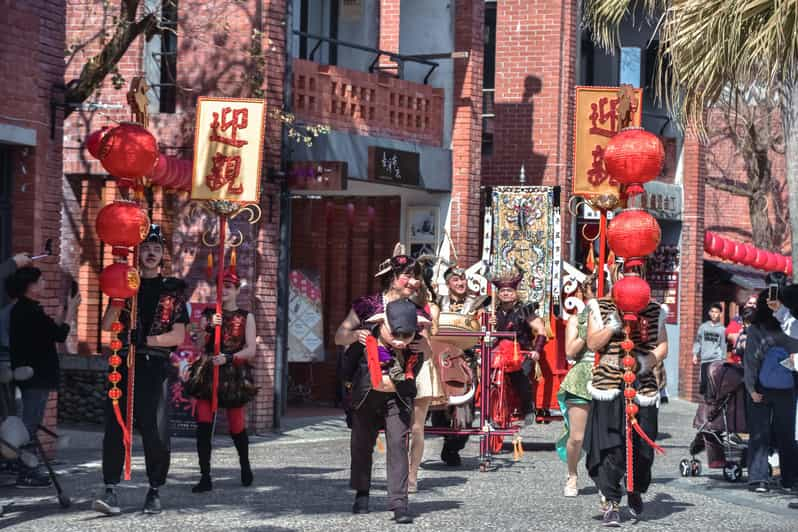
(453,322)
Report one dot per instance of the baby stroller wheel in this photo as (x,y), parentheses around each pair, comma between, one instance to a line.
(732,472)
(695,468)
(684,467)
(64,501)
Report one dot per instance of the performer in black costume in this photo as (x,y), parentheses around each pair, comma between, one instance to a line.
(161,326)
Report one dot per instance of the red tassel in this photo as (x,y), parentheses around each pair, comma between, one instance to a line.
(645,438)
(411,363)
(630,471)
(126,439)
(373,359)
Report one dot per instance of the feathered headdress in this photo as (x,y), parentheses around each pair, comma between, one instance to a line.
(400,262)
(510,278)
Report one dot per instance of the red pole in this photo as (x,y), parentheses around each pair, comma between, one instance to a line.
(602,250)
(217,342)
(131,373)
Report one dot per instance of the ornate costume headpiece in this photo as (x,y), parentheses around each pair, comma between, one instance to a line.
(452,271)
(398,263)
(509,278)
(155,235)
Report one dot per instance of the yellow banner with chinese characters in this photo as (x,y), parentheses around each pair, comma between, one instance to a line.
(228,149)
(597,121)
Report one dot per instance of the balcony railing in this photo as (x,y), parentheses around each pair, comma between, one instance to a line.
(367,103)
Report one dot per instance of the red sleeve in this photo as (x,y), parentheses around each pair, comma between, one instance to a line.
(733,328)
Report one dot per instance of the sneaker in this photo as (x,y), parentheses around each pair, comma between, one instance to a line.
(402,517)
(612,517)
(107,504)
(152,504)
(361,505)
(570,489)
(635,501)
(205,484)
(759,487)
(603,503)
(31,479)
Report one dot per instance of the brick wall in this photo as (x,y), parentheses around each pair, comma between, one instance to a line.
(467,132)
(535,76)
(692,270)
(218,55)
(32,67)
(389,31)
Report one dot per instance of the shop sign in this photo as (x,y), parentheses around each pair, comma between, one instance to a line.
(228,149)
(663,201)
(317,175)
(597,120)
(395,167)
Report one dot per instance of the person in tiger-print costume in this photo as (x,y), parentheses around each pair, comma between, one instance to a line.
(604,440)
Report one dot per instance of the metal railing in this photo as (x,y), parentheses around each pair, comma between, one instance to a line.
(399,59)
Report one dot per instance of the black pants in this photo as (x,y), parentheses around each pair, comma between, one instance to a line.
(150,416)
(771,424)
(703,379)
(605,444)
(522,386)
(377,411)
(452,444)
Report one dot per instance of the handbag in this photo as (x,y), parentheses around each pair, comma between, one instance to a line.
(200,379)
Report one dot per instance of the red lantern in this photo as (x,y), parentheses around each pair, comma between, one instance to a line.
(728,249)
(129,151)
(114,360)
(119,281)
(739,252)
(772,263)
(629,393)
(750,254)
(115,394)
(631,295)
(781,262)
(761,259)
(633,234)
(159,170)
(629,377)
(632,409)
(716,245)
(633,157)
(94,141)
(708,240)
(122,225)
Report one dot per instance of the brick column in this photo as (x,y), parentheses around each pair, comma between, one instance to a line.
(467,131)
(389,30)
(692,262)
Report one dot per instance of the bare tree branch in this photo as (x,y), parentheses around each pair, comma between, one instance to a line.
(731,186)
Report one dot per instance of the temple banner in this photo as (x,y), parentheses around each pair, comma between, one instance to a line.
(596,122)
(228,149)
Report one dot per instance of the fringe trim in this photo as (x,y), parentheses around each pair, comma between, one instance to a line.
(647,400)
(602,395)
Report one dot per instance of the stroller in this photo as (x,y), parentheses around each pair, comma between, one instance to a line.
(719,420)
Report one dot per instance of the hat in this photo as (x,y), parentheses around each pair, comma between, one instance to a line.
(231,276)
(402,317)
(452,271)
(154,235)
(508,279)
(398,263)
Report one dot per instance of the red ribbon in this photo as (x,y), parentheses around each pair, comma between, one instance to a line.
(373,359)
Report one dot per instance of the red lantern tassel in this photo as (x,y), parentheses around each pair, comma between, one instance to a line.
(645,438)
(373,359)
(630,471)
(127,441)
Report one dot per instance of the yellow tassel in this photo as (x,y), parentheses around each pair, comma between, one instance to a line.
(380,445)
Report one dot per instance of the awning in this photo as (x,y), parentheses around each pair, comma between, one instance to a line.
(743,276)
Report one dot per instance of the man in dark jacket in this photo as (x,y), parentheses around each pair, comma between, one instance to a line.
(160,327)
(32,338)
(381,375)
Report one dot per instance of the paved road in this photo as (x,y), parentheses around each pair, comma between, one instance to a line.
(301,484)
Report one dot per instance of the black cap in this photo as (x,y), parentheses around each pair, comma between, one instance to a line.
(402,317)
(155,235)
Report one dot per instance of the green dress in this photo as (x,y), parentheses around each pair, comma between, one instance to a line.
(573,388)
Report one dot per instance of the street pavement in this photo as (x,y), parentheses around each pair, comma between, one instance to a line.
(301,483)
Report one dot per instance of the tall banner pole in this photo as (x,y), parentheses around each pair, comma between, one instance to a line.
(217,341)
(602,250)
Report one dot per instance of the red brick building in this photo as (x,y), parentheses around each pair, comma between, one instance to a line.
(426,103)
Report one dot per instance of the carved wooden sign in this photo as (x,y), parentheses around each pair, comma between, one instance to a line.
(395,167)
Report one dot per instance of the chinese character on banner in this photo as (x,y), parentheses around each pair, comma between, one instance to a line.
(228,148)
(597,121)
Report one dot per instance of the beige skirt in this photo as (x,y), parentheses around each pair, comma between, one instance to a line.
(428,382)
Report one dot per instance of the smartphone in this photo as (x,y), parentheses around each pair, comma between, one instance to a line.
(773,292)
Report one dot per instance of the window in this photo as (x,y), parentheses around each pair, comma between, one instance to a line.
(489,79)
(630,66)
(160,59)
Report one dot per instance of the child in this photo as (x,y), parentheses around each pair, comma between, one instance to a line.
(710,343)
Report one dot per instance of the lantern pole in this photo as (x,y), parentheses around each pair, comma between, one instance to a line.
(602,250)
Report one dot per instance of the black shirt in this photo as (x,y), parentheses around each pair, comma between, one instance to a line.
(33,335)
(150,297)
(149,294)
(516,320)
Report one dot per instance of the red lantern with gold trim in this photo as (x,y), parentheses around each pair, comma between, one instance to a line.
(631,294)
(739,252)
(761,259)
(633,234)
(128,151)
(94,141)
(728,249)
(633,157)
(772,263)
(715,245)
(119,281)
(750,255)
(122,225)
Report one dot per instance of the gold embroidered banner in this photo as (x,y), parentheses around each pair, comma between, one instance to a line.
(228,149)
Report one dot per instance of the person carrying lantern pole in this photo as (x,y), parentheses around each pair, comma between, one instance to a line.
(518,356)
(614,340)
(235,389)
(160,327)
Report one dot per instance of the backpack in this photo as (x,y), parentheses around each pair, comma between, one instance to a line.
(772,374)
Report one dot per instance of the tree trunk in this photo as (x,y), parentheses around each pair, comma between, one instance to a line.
(789,117)
(761,230)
